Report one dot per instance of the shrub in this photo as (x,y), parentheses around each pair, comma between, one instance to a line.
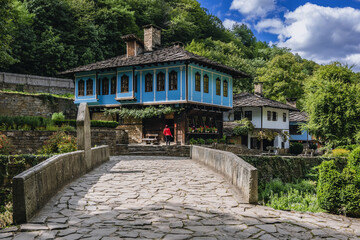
(340,192)
(209,141)
(222,140)
(296,148)
(193,141)
(354,159)
(312,146)
(348,147)
(339,152)
(68,128)
(22,122)
(58,116)
(245,127)
(108,124)
(93,123)
(5,146)
(59,142)
(329,187)
(201,141)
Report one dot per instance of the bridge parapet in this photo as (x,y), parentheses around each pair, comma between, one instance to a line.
(33,188)
(240,173)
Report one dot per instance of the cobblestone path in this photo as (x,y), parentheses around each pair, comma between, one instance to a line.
(168,198)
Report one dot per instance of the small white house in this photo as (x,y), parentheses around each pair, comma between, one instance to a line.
(266,115)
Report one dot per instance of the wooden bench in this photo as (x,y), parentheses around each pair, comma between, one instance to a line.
(151,139)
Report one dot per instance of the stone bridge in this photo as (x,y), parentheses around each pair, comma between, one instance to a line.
(168,198)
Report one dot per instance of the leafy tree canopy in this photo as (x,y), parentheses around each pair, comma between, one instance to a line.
(332,101)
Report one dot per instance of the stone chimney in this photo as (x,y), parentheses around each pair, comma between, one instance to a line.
(291,102)
(152,37)
(258,88)
(134,45)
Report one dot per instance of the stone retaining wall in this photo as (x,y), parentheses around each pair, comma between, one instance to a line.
(153,150)
(31,83)
(33,188)
(287,168)
(240,173)
(31,141)
(16,104)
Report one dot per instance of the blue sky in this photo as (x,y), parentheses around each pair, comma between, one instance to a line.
(323,31)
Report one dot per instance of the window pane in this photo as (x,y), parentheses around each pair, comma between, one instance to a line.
(225,88)
(160,86)
(284,117)
(113,85)
(173,80)
(81,86)
(105,86)
(248,115)
(269,116)
(218,87)
(206,84)
(124,84)
(98,86)
(89,87)
(295,130)
(197,82)
(135,87)
(148,83)
(274,116)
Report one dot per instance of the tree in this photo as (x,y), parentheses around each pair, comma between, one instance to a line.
(5,38)
(333,104)
(283,78)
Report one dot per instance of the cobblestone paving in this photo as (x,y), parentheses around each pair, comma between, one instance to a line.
(168,198)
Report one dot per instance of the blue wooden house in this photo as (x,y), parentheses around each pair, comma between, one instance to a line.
(149,74)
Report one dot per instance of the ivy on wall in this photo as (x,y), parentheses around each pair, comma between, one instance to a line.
(147,112)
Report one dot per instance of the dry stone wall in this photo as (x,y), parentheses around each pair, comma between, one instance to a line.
(30,141)
(15,104)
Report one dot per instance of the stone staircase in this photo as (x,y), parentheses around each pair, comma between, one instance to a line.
(152,150)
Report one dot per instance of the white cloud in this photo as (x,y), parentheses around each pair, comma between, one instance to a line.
(274,26)
(228,23)
(322,34)
(253,8)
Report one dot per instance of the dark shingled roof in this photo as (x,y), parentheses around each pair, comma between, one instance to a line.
(251,100)
(164,55)
(298,117)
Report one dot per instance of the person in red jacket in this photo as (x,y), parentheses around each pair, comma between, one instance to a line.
(167,134)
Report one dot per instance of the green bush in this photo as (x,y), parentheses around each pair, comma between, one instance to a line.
(296,148)
(22,122)
(59,142)
(209,141)
(201,141)
(340,192)
(348,147)
(57,116)
(329,186)
(107,124)
(312,146)
(93,123)
(222,140)
(339,152)
(354,159)
(193,141)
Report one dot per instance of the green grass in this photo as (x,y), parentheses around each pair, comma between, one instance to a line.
(298,196)
(66,96)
